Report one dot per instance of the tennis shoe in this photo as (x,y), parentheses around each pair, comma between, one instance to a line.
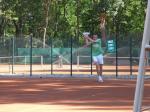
(100,79)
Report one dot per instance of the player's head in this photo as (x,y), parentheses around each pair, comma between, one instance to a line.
(95,36)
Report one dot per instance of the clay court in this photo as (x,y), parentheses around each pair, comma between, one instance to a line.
(68,95)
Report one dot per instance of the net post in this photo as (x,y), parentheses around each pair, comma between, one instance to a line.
(41,60)
(25,60)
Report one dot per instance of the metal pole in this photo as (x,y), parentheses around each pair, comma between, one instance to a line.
(116,24)
(140,78)
(13,50)
(42,62)
(71,56)
(25,60)
(51,56)
(131,55)
(78,61)
(116,56)
(31,35)
(31,54)
(91,61)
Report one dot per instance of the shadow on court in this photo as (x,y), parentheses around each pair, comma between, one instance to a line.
(81,94)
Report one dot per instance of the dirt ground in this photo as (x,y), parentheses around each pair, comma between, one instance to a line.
(66,69)
(68,95)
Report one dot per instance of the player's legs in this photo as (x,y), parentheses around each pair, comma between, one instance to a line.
(95,62)
(99,72)
(98,67)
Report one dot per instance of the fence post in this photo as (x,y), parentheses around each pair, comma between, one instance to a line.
(31,54)
(130,55)
(116,57)
(91,61)
(78,61)
(13,49)
(71,56)
(51,56)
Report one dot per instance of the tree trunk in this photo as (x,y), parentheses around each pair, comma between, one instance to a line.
(46,9)
(18,27)
(78,13)
(2,26)
(102,25)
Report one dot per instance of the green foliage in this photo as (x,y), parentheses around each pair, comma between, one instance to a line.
(68,18)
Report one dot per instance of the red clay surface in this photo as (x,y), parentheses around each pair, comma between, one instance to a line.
(68,95)
(66,69)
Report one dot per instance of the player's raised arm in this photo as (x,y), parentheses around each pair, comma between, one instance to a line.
(86,36)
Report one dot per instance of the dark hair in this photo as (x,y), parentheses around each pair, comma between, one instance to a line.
(95,35)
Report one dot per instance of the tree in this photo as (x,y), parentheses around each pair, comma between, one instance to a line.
(46,13)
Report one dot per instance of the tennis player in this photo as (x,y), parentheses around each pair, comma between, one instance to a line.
(97,53)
